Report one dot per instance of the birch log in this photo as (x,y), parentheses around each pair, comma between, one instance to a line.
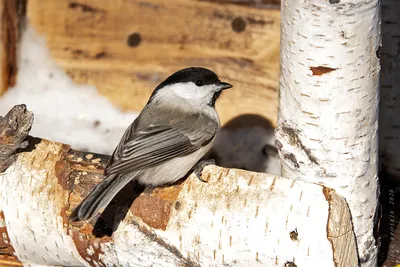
(237,218)
(328,109)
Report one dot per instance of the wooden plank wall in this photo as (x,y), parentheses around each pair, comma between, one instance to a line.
(10,12)
(125,47)
(9,261)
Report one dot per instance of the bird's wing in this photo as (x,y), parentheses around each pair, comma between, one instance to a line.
(156,144)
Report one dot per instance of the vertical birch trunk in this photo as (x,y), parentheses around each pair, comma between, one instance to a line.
(328,109)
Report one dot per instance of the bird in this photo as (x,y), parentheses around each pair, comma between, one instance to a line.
(175,129)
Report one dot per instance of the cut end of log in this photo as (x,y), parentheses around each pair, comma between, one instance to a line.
(340,230)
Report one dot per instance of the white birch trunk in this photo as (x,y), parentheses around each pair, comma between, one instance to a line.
(328,110)
(389,132)
(238,218)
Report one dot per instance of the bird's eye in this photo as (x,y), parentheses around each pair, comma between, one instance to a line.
(199,82)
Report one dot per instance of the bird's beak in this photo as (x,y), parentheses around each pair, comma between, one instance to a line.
(223,86)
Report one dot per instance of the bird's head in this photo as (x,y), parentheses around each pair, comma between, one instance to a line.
(198,85)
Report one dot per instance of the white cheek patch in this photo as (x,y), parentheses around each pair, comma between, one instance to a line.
(189,91)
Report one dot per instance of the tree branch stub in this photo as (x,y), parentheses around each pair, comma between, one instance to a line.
(14,128)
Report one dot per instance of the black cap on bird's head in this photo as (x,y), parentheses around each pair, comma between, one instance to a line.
(201,77)
(197,75)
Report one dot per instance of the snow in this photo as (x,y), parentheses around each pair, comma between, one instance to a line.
(64,111)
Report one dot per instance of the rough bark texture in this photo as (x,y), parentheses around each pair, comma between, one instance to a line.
(14,128)
(125,48)
(328,110)
(237,218)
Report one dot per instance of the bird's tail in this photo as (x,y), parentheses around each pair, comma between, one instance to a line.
(100,197)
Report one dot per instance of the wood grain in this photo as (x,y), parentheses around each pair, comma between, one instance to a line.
(10,12)
(9,261)
(125,48)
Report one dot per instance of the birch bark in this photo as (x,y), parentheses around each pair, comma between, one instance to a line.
(328,109)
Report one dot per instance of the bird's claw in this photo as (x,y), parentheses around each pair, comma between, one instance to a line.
(198,168)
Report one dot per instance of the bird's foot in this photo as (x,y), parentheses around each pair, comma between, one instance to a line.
(198,168)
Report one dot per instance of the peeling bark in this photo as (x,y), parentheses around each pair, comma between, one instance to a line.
(328,110)
(237,218)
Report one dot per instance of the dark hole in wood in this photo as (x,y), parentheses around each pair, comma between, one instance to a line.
(134,39)
(238,24)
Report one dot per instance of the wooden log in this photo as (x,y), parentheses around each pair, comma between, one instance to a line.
(125,48)
(237,218)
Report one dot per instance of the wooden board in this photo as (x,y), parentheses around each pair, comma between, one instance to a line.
(125,48)
(9,35)
(9,261)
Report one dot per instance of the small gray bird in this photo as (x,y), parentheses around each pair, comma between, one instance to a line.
(175,129)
